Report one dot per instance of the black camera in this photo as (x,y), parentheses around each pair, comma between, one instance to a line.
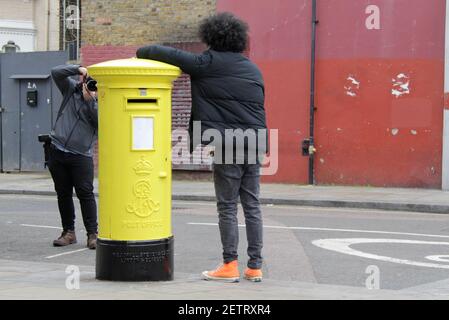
(45,138)
(91,84)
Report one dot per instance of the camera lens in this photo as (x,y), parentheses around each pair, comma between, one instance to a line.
(92,85)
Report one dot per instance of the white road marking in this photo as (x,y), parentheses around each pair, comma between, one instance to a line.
(200,203)
(66,253)
(51,227)
(339,230)
(213,224)
(47,227)
(36,226)
(343,246)
(442,258)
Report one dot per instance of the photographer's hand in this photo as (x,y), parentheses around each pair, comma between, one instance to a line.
(83,73)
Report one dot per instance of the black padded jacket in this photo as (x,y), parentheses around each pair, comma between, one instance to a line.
(227,91)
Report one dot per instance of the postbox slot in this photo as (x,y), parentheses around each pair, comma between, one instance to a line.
(142,101)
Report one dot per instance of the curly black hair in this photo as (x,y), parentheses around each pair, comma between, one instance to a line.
(224,32)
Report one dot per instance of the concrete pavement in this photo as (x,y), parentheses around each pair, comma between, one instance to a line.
(401,199)
(25,280)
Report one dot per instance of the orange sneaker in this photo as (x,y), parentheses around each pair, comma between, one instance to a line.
(227,272)
(254,275)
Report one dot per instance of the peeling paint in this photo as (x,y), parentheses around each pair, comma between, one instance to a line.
(321,160)
(414,132)
(349,93)
(354,81)
(352,87)
(401,85)
(394,131)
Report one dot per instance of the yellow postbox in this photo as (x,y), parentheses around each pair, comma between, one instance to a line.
(135,241)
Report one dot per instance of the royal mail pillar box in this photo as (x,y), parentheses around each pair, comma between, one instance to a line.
(135,241)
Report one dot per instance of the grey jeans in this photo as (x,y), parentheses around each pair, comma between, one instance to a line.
(232,181)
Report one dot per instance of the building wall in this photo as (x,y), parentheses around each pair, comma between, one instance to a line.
(32,24)
(46,20)
(16,10)
(16,24)
(379,93)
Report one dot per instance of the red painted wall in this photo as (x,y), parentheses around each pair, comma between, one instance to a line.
(379,92)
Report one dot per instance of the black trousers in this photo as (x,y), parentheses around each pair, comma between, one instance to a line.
(74,171)
(231,182)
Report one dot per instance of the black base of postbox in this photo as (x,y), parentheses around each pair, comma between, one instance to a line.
(135,260)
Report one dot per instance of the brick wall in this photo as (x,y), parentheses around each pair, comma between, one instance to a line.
(137,22)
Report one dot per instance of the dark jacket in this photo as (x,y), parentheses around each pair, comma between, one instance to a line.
(227,89)
(75,129)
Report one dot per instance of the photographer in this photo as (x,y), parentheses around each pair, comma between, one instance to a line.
(70,156)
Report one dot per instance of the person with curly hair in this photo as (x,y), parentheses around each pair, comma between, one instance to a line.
(227,96)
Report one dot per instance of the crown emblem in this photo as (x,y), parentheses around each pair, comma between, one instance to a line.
(143,167)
